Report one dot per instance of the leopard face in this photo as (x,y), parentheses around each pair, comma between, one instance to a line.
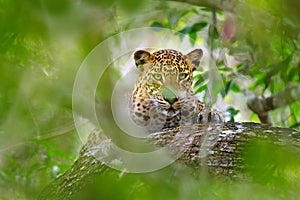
(163,95)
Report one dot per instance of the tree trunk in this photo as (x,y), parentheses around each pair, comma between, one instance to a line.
(216,149)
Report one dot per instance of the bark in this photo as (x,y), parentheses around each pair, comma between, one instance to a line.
(215,148)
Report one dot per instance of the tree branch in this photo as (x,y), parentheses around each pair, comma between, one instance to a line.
(262,105)
(227,5)
(216,148)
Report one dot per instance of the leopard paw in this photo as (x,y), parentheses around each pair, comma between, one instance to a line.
(210,116)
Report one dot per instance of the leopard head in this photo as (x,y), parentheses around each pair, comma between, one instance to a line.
(164,84)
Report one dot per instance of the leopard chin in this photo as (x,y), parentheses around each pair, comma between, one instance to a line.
(173,113)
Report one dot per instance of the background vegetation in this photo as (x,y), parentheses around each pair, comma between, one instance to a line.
(255,45)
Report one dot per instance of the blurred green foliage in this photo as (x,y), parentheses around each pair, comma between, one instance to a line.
(42,44)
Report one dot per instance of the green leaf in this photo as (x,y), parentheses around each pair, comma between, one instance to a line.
(230,85)
(198,80)
(295,125)
(157,25)
(240,66)
(199,26)
(260,81)
(213,32)
(223,92)
(232,112)
(206,9)
(224,69)
(200,89)
(192,38)
(235,88)
(185,30)
(280,67)
(194,28)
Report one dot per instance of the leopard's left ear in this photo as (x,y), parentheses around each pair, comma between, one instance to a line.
(194,57)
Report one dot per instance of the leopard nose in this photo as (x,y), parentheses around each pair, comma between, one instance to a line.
(169,95)
(171,100)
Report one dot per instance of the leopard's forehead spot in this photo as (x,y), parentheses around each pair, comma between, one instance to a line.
(174,60)
(164,56)
(168,52)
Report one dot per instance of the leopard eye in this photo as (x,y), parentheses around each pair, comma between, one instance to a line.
(182,76)
(157,77)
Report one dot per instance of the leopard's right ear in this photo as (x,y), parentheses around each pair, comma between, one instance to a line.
(141,57)
(194,57)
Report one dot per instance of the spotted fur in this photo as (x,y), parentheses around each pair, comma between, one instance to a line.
(163,96)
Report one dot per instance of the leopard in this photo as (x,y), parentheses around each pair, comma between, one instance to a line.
(163,96)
